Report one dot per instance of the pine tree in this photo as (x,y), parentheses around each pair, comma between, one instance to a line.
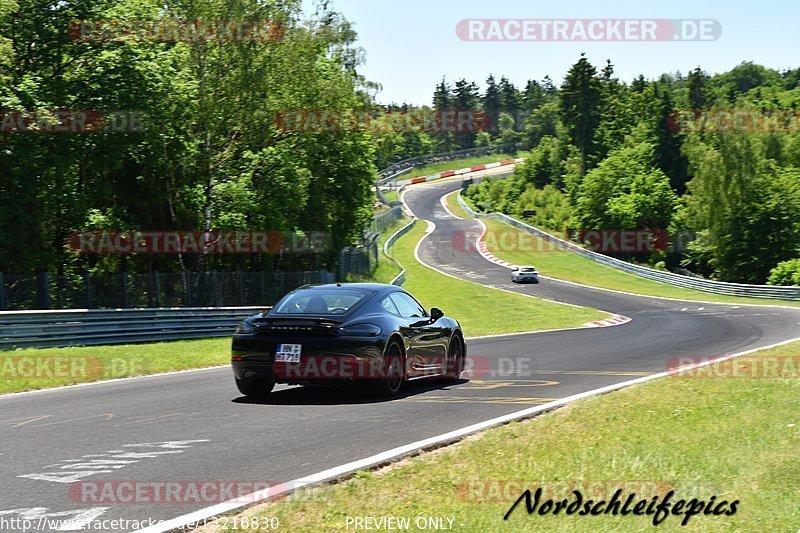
(697,89)
(491,105)
(580,106)
(466,97)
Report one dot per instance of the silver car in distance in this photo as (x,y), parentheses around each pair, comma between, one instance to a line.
(524,274)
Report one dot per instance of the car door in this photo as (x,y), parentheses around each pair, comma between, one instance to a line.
(429,340)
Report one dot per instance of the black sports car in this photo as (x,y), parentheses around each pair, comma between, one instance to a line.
(366,332)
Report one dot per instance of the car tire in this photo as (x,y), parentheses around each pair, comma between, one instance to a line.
(455,359)
(393,375)
(255,387)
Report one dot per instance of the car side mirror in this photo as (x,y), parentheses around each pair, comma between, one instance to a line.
(436,314)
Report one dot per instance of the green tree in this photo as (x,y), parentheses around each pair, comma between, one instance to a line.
(580,105)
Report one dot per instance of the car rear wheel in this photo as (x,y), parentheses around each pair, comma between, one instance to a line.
(455,359)
(255,387)
(393,375)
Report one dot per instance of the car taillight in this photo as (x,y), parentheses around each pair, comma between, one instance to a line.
(360,330)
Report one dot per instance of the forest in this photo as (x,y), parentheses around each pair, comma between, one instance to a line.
(188,134)
(713,161)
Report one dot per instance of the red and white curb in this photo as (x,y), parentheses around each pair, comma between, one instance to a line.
(481,247)
(459,172)
(616,320)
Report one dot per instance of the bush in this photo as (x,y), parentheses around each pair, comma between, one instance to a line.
(785,273)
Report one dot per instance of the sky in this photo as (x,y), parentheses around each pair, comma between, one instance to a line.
(411,44)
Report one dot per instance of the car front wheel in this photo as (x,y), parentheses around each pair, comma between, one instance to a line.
(455,359)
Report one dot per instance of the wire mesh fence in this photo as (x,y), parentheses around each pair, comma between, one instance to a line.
(156,289)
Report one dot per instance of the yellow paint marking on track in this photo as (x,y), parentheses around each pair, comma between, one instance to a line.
(582,372)
(477,399)
(478,384)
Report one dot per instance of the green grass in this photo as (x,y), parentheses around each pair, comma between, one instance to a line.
(38,368)
(736,439)
(455,165)
(452,204)
(391,195)
(482,310)
(525,249)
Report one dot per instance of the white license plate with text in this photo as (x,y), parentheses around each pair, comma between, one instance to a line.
(288,353)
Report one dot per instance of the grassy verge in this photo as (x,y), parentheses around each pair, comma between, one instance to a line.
(452,204)
(39,368)
(387,269)
(735,439)
(455,165)
(482,310)
(516,246)
(391,195)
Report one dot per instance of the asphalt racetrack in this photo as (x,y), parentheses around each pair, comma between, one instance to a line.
(195,426)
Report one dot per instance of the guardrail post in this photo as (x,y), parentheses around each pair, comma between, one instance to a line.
(157,284)
(124,289)
(187,287)
(44,290)
(87,283)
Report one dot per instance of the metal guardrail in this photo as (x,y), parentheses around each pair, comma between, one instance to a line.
(401,277)
(391,172)
(707,285)
(28,329)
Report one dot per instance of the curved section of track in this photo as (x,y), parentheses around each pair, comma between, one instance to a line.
(53,438)
(660,329)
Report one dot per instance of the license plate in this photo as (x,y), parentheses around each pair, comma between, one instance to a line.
(288,353)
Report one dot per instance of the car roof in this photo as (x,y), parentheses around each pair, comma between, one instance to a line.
(528,266)
(372,287)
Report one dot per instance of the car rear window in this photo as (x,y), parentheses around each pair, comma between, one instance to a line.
(527,269)
(318,302)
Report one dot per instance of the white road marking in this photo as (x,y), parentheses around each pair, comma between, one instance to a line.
(333,474)
(75,471)
(443,201)
(106,381)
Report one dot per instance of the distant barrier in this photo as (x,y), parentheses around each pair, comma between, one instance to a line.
(401,277)
(28,329)
(707,285)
